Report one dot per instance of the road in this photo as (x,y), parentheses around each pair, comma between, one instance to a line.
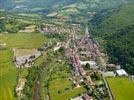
(108,89)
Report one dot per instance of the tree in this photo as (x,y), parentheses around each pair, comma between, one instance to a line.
(97,76)
(128,68)
(62,50)
(87,66)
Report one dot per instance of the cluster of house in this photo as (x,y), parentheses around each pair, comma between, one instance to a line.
(53,29)
(78,70)
(80,74)
(28,29)
(88,47)
(20,87)
(49,29)
(26,61)
(112,70)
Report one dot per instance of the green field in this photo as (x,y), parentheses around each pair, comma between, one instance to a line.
(7,75)
(122,88)
(62,90)
(23,40)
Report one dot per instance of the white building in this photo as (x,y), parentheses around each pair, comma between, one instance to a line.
(132,77)
(121,72)
(56,48)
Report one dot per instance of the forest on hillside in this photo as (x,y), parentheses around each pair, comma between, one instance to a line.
(116,28)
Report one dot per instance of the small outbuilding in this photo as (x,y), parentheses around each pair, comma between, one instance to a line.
(78,98)
(2,45)
(132,77)
(109,74)
(87,97)
(111,67)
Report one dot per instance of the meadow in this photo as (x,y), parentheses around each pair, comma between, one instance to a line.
(122,88)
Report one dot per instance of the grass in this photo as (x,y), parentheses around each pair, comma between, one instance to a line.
(7,75)
(122,88)
(62,90)
(23,73)
(23,40)
(39,61)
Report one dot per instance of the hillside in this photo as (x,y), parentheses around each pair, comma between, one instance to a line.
(66,10)
(117,29)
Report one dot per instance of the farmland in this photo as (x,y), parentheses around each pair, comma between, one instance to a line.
(8,72)
(23,40)
(122,88)
(8,75)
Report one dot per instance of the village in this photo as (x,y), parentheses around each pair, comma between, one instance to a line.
(83,54)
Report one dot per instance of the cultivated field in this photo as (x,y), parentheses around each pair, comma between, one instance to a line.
(23,40)
(8,75)
(122,88)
